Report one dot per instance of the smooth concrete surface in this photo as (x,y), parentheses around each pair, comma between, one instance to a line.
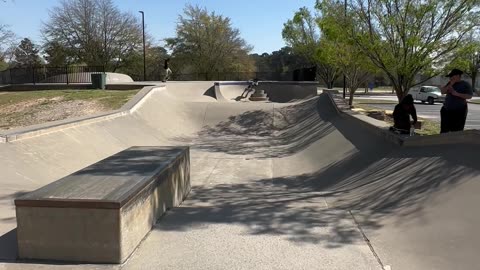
(274,186)
(69,234)
(281,92)
(100,213)
(84,77)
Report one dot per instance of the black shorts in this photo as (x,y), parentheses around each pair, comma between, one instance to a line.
(453,120)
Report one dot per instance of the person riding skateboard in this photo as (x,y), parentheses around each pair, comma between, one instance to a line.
(168,71)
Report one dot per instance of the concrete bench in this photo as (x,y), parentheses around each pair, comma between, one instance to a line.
(102,212)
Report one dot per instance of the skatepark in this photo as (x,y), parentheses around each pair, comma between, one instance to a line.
(292,183)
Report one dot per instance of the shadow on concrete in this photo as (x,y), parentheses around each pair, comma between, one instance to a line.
(400,183)
(276,133)
(8,246)
(210,92)
(378,178)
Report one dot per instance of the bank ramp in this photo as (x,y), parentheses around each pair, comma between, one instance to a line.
(274,186)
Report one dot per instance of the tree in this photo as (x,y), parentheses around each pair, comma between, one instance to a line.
(7,41)
(283,60)
(207,43)
(57,55)
(405,37)
(133,65)
(94,32)
(467,59)
(340,50)
(303,35)
(26,54)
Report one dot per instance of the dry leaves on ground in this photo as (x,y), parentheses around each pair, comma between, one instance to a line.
(43,110)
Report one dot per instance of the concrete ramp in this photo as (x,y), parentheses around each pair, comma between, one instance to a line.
(275,186)
(192,91)
(279,92)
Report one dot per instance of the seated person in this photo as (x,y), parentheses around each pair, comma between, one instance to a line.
(401,114)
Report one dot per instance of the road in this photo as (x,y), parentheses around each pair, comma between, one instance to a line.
(388,97)
(432,111)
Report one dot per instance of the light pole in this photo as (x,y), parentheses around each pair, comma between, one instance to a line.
(144,63)
(344,78)
(476,64)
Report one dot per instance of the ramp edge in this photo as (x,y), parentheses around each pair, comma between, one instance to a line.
(45,128)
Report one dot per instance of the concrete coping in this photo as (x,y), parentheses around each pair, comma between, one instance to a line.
(267,82)
(40,129)
(109,183)
(381,128)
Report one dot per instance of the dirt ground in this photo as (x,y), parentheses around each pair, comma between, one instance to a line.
(43,110)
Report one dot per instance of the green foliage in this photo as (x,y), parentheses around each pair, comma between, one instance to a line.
(339,48)
(302,33)
(58,55)
(283,60)
(467,59)
(26,54)
(155,56)
(408,37)
(3,65)
(206,43)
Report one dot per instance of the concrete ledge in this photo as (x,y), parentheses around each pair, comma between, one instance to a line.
(77,86)
(381,129)
(277,91)
(101,213)
(463,137)
(41,129)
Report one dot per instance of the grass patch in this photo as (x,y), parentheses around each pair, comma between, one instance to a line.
(365,107)
(429,127)
(111,99)
(476,101)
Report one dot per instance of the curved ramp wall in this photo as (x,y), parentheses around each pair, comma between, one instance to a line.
(306,147)
(277,91)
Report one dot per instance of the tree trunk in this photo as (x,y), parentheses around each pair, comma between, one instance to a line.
(474,79)
(330,84)
(399,92)
(351,92)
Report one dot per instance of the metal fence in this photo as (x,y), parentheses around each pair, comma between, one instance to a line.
(82,74)
(44,74)
(234,76)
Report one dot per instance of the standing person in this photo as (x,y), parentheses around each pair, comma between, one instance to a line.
(168,71)
(454,111)
(402,113)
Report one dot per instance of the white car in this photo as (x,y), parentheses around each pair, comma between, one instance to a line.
(430,94)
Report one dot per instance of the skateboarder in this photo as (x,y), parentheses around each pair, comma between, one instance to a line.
(454,111)
(402,113)
(168,71)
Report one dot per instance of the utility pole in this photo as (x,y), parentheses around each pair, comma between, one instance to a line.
(144,62)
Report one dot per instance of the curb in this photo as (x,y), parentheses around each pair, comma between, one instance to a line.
(381,129)
(45,128)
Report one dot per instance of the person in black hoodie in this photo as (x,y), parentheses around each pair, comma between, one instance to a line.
(168,71)
(402,113)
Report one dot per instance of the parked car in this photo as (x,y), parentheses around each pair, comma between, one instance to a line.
(430,94)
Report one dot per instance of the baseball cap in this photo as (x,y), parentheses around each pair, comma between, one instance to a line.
(454,72)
